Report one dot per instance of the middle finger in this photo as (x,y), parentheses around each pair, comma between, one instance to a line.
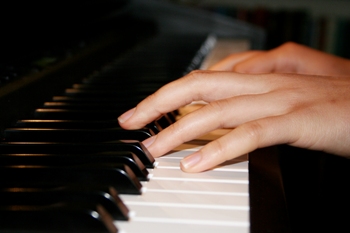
(226,113)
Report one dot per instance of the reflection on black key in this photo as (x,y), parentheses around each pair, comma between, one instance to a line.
(78,124)
(36,197)
(109,93)
(82,105)
(74,135)
(111,86)
(71,160)
(120,177)
(61,217)
(134,147)
(76,114)
(172,116)
(163,122)
(68,124)
(81,100)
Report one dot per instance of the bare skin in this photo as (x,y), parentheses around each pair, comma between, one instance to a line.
(290,95)
(288,58)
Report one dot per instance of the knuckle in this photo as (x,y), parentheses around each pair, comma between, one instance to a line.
(196,73)
(195,77)
(152,97)
(294,99)
(290,46)
(152,100)
(219,147)
(192,75)
(220,109)
(177,132)
(253,132)
(196,80)
(218,106)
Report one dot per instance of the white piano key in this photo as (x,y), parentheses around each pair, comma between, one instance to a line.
(189,226)
(239,202)
(182,213)
(175,201)
(197,187)
(174,163)
(210,176)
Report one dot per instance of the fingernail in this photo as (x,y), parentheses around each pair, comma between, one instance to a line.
(149,141)
(125,116)
(191,160)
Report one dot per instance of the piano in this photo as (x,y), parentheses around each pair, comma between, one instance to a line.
(67,166)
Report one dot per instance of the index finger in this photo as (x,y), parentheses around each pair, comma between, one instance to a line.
(199,85)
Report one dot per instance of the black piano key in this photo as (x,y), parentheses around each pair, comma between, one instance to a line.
(149,74)
(172,116)
(28,197)
(163,122)
(110,81)
(160,124)
(120,177)
(106,93)
(85,100)
(62,217)
(85,114)
(86,106)
(134,147)
(73,135)
(78,114)
(82,105)
(117,96)
(155,128)
(108,159)
(79,124)
(145,87)
(68,124)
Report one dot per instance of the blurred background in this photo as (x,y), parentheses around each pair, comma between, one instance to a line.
(320,24)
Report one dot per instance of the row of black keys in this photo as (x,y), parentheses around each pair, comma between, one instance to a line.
(62,170)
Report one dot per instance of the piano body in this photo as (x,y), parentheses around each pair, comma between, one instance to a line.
(67,166)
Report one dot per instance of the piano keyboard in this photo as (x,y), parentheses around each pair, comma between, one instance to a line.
(64,167)
(173,201)
(70,167)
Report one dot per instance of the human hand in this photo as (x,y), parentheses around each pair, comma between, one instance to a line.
(262,110)
(287,58)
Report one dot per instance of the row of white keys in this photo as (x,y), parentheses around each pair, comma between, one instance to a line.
(175,201)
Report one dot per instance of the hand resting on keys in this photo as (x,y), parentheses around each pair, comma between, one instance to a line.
(290,95)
